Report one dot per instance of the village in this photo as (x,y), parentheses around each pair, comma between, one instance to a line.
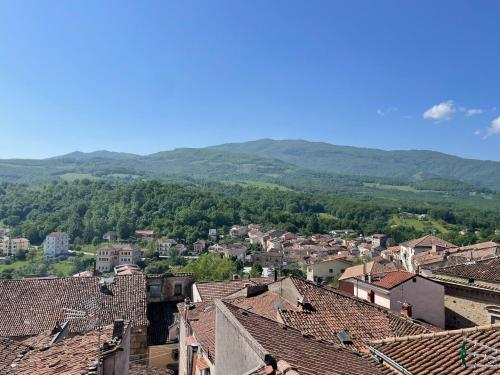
(312,293)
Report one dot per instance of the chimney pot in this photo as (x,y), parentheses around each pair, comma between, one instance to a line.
(118,326)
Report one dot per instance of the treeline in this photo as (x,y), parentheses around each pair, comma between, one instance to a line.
(88,209)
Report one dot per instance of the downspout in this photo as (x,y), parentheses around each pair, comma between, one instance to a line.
(381,356)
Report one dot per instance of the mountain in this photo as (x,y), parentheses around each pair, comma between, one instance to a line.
(346,160)
(396,177)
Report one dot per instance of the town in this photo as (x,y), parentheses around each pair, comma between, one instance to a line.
(351,302)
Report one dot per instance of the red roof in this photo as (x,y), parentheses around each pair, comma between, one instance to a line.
(392,279)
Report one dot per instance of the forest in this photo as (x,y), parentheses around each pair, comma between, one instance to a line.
(87,209)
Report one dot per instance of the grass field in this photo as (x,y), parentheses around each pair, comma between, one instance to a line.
(420,225)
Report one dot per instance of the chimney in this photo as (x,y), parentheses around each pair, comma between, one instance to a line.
(406,310)
(118,327)
(60,332)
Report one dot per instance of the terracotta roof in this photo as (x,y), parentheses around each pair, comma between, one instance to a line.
(372,266)
(393,249)
(265,304)
(31,306)
(218,289)
(73,355)
(427,257)
(333,312)
(479,246)
(428,241)
(57,234)
(307,356)
(485,270)
(201,318)
(391,279)
(439,353)
(11,350)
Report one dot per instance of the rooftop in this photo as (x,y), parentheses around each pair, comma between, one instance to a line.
(392,279)
(439,353)
(218,289)
(485,270)
(332,312)
(428,241)
(31,306)
(307,356)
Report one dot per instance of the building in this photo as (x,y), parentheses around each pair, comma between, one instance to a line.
(145,234)
(164,244)
(55,352)
(110,236)
(116,255)
(55,244)
(34,306)
(12,246)
(379,240)
(127,269)
(248,343)
(323,271)
(441,352)
(211,290)
(472,292)
(212,234)
(371,267)
(403,292)
(238,231)
(237,251)
(199,246)
(427,243)
(267,259)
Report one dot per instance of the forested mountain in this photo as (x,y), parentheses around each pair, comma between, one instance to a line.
(412,164)
(367,174)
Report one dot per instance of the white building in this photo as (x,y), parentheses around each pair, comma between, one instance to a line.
(11,246)
(55,244)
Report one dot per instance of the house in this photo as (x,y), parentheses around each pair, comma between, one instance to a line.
(274,244)
(55,244)
(465,351)
(115,255)
(199,246)
(427,243)
(12,246)
(164,244)
(248,343)
(256,237)
(379,240)
(211,290)
(267,259)
(238,231)
(127,269)
(370,267)
(212,234)
(55,352)
(110,236)
(325,270)
(145,234)
(477,251)
(403,292)
(104,299)
(238,251)
(365,249)
(472,292)
(288,236)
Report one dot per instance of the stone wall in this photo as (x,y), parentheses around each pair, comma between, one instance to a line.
(468,308)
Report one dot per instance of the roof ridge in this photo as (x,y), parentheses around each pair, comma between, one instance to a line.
(436,334)
(465,263)
(360,300)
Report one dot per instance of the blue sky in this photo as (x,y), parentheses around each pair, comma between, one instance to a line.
(145,76)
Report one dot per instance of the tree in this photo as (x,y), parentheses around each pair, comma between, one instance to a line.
(256,271)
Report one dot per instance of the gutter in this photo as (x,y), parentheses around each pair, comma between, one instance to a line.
(382,357)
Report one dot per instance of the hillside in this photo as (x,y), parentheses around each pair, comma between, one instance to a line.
(406,176)
(413,164)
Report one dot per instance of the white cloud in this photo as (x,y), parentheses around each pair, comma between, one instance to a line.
(387,111)
(473,112)
(494,127)
(477,132)
(440,112)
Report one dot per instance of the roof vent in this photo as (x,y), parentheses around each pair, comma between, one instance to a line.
(344,337)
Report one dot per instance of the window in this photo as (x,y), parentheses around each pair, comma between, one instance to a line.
(178,289)
(371,296)
(494,312)
(330,270)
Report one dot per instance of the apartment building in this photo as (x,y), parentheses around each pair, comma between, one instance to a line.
(55,244)
(107,258)
(11,246)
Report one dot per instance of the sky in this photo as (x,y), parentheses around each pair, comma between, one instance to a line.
(147,76)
